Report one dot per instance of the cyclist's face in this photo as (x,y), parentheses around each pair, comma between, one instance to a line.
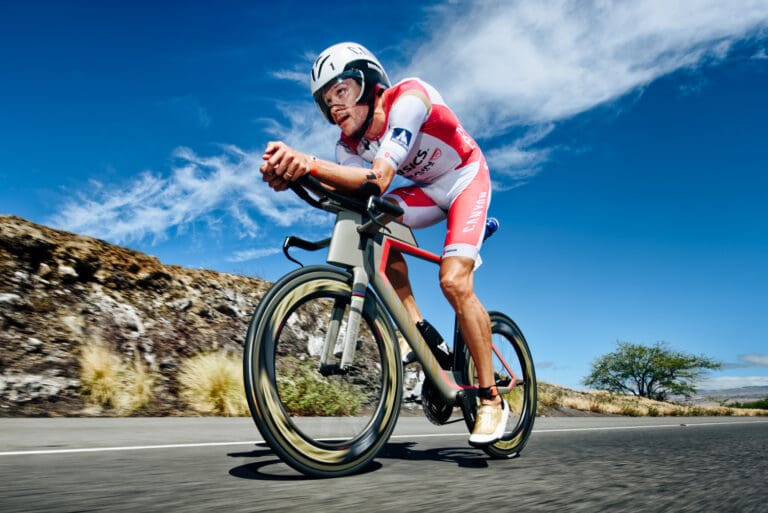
(341,99)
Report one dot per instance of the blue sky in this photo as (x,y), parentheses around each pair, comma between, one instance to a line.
(627,145)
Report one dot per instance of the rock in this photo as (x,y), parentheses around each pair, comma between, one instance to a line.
(33,387)
(32,345)
(11,299)
(227,309)
(20,277)
(44,270)
(181,305)
(68,273)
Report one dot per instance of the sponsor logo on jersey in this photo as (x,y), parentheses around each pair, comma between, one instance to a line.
(402,137)
(436,154)
(478,213)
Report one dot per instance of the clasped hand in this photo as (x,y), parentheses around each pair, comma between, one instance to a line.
(283,165)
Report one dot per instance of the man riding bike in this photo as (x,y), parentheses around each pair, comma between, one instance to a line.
(407,129)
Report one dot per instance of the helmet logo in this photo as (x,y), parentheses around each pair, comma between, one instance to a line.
(318,67)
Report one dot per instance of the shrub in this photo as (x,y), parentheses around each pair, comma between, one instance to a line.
(212,383)
(630,411)
(761,404)
(108,382)
(549,395)
(304,391)
(596,407)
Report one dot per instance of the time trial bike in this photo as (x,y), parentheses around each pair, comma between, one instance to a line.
(322,363)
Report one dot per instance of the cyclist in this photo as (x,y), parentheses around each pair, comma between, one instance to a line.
(407,129)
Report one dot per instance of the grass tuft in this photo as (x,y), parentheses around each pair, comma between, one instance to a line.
(108,382)
(212,383)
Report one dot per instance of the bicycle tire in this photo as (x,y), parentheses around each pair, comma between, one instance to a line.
(281,374)
(522,399)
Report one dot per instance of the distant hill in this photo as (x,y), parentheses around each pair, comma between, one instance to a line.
(743,394)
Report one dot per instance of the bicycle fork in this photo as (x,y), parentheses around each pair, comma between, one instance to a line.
(357,302)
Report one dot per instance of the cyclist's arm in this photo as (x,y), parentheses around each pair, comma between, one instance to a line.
(351,174)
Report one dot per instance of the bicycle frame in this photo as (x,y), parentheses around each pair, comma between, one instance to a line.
(363,248)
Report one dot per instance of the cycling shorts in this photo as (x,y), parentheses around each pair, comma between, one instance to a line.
(463,202)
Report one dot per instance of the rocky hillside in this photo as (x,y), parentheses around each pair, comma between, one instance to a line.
(60,291)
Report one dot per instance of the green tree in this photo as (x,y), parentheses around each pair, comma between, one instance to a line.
(654,372)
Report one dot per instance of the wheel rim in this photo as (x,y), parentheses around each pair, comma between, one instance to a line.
(291,342)
(512,363)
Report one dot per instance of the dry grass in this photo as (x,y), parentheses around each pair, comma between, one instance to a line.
(212,384)
(304,391)
(552,397)
(110,383)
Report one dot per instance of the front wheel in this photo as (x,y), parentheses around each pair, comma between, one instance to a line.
(512,367)
(321,425)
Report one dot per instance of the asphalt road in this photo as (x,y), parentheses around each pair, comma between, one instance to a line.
(203,464)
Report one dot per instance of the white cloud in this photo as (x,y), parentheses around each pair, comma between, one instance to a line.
(522,63)
(760,55)
(506,64)
(151,205)
(252,254)
(754,360)
(727,382)
(304,128)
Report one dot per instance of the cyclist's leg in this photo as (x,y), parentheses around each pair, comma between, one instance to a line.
(420,211)
(456,281)
(466,227)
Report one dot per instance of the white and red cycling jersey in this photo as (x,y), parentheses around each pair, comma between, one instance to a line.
(429,147)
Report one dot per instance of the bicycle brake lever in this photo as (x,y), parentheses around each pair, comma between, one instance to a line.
(288,243)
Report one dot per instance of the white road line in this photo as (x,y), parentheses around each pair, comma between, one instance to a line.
(126,448)
(649,426)
(409,436)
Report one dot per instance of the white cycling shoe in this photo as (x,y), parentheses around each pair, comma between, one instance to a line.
(489,423)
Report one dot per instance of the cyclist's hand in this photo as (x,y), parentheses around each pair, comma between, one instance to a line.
(282,165)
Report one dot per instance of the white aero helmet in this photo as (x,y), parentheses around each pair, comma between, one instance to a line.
(347,60)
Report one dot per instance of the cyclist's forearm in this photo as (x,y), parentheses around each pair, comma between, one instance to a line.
(352,178)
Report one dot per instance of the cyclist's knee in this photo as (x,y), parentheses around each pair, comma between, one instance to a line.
(456,279)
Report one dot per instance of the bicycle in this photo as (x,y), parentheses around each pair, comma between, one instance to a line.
(324,334)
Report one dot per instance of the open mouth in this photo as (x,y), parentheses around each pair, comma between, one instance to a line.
(341,118)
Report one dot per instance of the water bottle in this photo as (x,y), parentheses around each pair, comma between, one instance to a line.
(491,225)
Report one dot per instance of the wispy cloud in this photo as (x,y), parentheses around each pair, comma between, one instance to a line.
(754,360)
(760,55)
(151,205)
(526,63)
(533,64)
(520,68)
(252,254)
(748,360)
(515,163)
(726,382)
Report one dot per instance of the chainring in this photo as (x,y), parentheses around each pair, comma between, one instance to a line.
(435,408)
